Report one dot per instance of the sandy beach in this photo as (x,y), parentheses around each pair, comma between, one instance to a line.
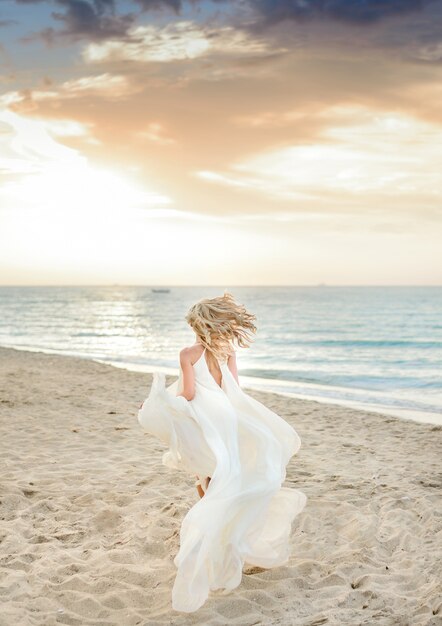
(90,519)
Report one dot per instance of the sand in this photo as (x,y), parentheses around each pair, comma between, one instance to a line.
(90,519)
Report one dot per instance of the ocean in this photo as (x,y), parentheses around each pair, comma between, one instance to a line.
(376,348)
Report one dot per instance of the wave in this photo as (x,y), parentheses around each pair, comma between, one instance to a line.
(372,343)
(351,380)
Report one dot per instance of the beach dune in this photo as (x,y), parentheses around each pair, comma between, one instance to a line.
(90,518)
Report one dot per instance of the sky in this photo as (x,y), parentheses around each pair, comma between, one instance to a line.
(250,142)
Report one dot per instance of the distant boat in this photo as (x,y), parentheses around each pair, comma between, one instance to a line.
(161,290)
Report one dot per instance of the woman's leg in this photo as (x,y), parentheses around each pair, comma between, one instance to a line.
(199,488)
(199,483)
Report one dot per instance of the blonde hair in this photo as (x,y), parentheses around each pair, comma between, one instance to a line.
(219,322)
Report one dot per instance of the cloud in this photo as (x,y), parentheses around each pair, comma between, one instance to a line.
(95,20)
(155,134)
(301,23)
(105,85)
(177,41)
(108,86)
(271,119)
(174,5)
(41,172)
(352,11)
(4,23)
(83,19)
(431,53)
(273,11)
(28,145)
(364,157)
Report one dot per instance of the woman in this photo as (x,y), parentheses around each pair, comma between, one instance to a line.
(237,446)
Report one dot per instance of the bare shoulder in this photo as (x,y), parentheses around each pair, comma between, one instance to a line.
(190,354)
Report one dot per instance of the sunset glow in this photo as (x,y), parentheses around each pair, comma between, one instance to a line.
(221,144)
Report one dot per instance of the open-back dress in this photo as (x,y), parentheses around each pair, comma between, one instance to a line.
(245,515)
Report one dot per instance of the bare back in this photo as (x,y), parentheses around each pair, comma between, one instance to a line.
(189,356)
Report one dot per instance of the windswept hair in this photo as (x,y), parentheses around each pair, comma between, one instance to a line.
(219,322)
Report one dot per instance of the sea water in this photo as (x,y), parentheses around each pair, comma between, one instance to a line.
(378,348)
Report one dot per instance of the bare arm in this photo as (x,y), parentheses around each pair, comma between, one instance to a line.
(231,363)
(188,390)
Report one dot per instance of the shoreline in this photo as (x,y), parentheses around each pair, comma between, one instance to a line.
(265,385)
(91,518)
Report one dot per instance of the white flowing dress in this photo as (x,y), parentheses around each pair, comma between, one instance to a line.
(245,515)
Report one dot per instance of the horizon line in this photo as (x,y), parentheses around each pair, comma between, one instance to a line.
(163,285)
